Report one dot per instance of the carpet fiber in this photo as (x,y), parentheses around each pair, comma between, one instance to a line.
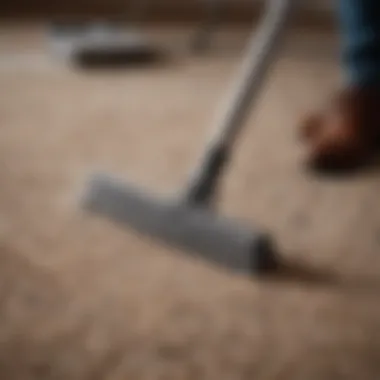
(81,298)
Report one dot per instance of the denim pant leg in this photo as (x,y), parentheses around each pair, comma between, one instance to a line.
(360,33)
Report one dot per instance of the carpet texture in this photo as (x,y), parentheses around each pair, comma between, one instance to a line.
(81,298)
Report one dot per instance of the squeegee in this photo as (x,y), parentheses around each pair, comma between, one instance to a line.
(188,220)
(106,44)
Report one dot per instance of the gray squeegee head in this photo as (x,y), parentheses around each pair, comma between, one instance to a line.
(196,230)
(187,221)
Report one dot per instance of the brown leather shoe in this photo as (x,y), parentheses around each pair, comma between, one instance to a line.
(346,135)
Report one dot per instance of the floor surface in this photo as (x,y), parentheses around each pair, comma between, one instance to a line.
(81,298)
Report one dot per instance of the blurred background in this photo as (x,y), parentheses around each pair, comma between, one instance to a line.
(131,88)
(159,10)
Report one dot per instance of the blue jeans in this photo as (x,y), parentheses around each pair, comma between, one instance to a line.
(360,31)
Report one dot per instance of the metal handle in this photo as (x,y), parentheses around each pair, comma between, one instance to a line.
(262,45)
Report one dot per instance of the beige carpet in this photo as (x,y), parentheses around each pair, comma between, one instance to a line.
(84,299)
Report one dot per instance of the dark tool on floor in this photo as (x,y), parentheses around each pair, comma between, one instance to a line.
(106,43)
(188,221)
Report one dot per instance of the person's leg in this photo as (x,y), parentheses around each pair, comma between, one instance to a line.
(360,37)
(342,137)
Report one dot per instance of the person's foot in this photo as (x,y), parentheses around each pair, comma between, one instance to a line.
(345,135)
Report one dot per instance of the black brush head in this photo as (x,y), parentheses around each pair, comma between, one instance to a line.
(120,56)
(104,46)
